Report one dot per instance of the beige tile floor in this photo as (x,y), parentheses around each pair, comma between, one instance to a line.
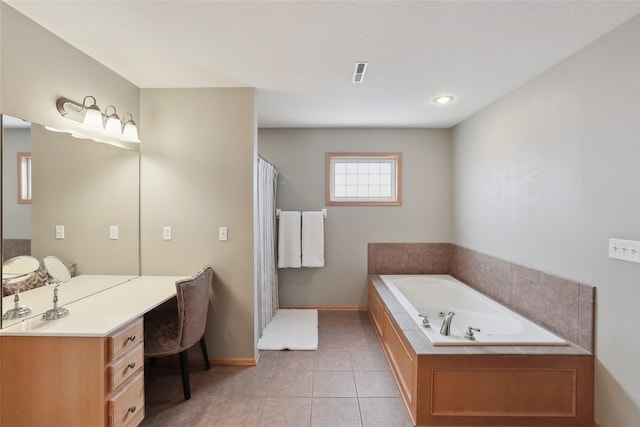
(345,383)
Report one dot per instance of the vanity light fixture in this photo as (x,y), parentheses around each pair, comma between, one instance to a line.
(443,99)
(130,130)
(79,135)
(92,115)
(112,124)
(49,128)
(96,125)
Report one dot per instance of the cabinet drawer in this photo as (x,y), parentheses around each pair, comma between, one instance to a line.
(125,339)
(126,366)
(126,408)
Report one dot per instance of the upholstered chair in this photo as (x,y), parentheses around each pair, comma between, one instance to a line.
(168,332)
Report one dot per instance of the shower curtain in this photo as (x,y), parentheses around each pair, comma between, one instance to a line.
(267,273)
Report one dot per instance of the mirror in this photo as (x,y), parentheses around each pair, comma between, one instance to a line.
(58,273)
(56,269)
(81,190)
(17,273)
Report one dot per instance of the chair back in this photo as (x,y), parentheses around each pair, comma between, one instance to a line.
(193,303)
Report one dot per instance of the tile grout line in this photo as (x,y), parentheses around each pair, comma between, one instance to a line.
(355,384)
(210,413)
(264,402)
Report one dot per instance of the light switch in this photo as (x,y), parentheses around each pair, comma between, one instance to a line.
(113,232)
(166,232)
(59,232)
(223,233)
(626,250)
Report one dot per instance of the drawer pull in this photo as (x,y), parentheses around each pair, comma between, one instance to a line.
(132,409)
(131,338)
(132,365)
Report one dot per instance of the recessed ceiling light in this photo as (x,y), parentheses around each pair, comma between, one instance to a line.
(444,99)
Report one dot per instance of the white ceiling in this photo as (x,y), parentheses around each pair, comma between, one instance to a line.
(300,55)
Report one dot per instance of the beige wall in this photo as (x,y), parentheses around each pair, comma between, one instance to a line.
(546,175)
(425,214)
(197,172)
(87,187)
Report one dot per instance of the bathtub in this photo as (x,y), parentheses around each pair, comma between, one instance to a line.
(437,295)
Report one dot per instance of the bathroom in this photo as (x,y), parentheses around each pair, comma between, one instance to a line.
(541,177)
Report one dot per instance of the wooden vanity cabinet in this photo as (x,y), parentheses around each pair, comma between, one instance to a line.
(126,376)
(74,381)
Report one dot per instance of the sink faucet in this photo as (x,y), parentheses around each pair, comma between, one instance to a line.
(445,329)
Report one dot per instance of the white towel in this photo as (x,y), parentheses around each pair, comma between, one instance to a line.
(289,240)
(312,239)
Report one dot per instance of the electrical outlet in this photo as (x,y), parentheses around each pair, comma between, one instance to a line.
(223,233)
(626,250)
(113,232)
(59,232)
(166,232)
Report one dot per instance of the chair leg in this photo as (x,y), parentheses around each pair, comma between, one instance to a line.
(203,346)
(184,367)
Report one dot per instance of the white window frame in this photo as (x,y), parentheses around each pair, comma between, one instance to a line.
(334,190)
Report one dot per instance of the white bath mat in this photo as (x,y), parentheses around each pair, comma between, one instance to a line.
(291,330)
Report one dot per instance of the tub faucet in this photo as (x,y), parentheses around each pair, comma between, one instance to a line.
(445,329)
(425,321)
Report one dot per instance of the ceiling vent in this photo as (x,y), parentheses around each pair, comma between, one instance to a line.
(358,72)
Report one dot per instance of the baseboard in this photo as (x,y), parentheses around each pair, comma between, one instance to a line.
(233,361)
(198,362)
(325,307)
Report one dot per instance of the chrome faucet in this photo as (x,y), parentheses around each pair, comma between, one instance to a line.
(445,329)
(425,321)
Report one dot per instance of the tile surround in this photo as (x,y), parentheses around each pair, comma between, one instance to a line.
(564,306)
(15,247)
(408,258)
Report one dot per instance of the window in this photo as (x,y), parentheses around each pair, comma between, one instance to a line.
(367,179)
(24,178)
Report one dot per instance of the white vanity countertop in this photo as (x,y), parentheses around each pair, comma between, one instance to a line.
(104,312)
(40,299)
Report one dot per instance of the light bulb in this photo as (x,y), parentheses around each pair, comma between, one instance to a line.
(113,126)
(130,132)
(93,118)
